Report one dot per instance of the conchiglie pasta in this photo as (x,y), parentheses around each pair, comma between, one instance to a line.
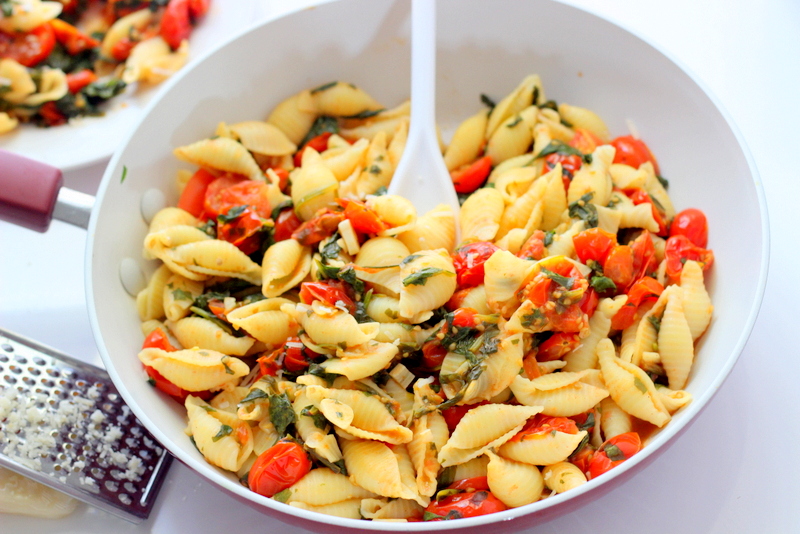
(559,394)
(195,369)
(264,320)
(514,483)
(284,265)
(218,443)
(200,332)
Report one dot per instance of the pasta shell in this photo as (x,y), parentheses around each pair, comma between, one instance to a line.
(314,186)
(338,488)
(285,264)
(563,476)
(195,369)
(545,448)
(697,306)
(585,356)
(559,394)
(294,116)
(584,118)
(264,320)
(361,361)
(263,138)
(219,447)
(593,178)
(199,332)
(342,99)
(481,214)
(468,141)
(222,154)
(514,483)
(382,470)
(429,281)
(675,342)
(436,229)
(17,79)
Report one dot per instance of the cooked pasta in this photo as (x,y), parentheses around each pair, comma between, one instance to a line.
(310,314)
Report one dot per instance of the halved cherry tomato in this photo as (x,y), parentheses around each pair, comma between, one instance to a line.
(242,230)
(465,318)
(613,452)
(534,248)
(331,292)
(469,259)
(470,484)
(318,143)
(471,176)
(71,38)
(454,414)
(582,458)
(633,151)
(541,424)
(158,339)
(644,255)
(640,196)
(363,219)
(457,299)
(557,346)
(323,225)
(30,48)
(229,191)
(585,141)
(278,468)
(642,290)
(52,115)
(122,48)
(618,266)
(470,504)
(558,305)
(198,8)
(594,244)
(433,354)
(678,250)
(176,23)
(295,359)
(692,223)
(283,177)
(288,222)
(194,193)
(530,365)
(570,163)
(162,384)
(217,307)
(78,80)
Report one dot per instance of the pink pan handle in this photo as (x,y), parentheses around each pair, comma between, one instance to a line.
(31,195)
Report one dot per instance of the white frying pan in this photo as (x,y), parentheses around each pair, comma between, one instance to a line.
(484,47)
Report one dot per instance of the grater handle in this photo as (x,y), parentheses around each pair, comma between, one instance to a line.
(31,195)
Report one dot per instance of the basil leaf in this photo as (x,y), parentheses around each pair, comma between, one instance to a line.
(224,430)
(276,211)
(233,214)
(366,114)
(614,453)
(488,102)
(584,210)
(420,277)
(281,413)
(557,147)
(283,496)
(563,281)
(322,124)
(313,412)
(254,395)
(655,321)
(603,283)
(324,87)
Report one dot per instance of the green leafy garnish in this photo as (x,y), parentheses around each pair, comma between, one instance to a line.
(124,174)
(563,281)
(314,413)
(254,395)
(603,283)
(232,214)
(584,210)
(614,453)
(366,114)
(324,87)
(281,413)
(322,124)
(283,496)
(420,277)
(224,430)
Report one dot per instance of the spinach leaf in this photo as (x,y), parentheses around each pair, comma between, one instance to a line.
(420,277)
(281,413)
(584,210)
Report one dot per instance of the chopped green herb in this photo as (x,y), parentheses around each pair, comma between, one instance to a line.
(548,238)
(314,413)
(639,384)
(224,361)
(655,321)
(283,496)
(664,182)
(254,395)
(276,211)
(488,102)
(614,453)
(563,281)
(324,87)
(366,114)
(603,283)
(322,124)
(584,210)
(281,413)
(374,169)
(232,214)
(124,174)
(224,430)
(420,277)
(181,294)
(514,122)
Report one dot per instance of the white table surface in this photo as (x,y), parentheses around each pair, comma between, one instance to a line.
(735,470)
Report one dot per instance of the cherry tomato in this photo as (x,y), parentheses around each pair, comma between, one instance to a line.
(594,244)
(198,9)
(278,468)
(642,290)
(633,151)
(570,163)
(469,259)
(557,346)
(470,484)
(589,302)
(585,141)
(582,458)
(330,292)
(691,223)
(242,231)
(323,225)
(541,424)
(530,365)
(644,255)
(283,177)
(295,359)
(470,177)
(165,385)
(470,504)
(363,219)
(122,48)
(318,143)
(30,48)
(465,318)
(229,191)
(158,339)
(51,114)
(613,452)
(71,38)
(457,299)
(534,248)
(78,80)
(433,354)
(288,222)
(193,196)
(217,307)
(454,414)
(678,250)
(558,305)
(618,266)
(176,23)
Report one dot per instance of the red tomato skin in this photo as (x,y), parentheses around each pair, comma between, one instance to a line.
(679,249)
(693,224)
(644,255)
(176,23)
(468,261)
(52,115)
(618,266)
(193,196)
(633,151)
(74,40)
(288,222)
(242,231)
(469,504)
(594,244)
(470,484)
(433,355)
(534,248)
(628,444)
(30,48)
(541,424)
(327,291)
(570,163)
(470,177)
(278,468)
(557,346)
(453,415)
(321,226)
(78,80)
(465,318)
(318,143)
(158,339)
(363,219)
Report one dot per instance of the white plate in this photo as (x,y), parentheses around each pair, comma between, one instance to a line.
(88,140)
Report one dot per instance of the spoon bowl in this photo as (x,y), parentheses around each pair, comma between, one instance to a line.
(421,175)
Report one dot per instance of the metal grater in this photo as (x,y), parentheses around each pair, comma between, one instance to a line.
(100,454)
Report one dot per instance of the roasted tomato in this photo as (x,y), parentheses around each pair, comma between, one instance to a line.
(460,505)
(469,259)
(691,223)
(613,452)
(278,468)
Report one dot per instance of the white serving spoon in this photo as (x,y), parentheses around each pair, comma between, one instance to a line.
(421,175)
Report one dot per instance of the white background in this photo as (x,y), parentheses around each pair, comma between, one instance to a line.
(735,470)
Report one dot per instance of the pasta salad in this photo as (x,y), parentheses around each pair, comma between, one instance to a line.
(322,334)
(66,58)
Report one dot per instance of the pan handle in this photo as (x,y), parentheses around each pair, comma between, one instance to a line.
(31,195)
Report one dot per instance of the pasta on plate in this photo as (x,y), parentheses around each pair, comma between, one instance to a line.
(323,334)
